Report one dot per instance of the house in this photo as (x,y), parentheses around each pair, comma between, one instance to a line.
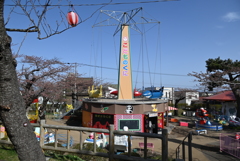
(168,93)
(228,101)
(189,97)
(78,88)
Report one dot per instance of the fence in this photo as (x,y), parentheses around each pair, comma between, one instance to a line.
(111,154)
(230,145)
(189,136)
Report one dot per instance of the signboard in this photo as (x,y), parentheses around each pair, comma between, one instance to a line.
(132,124)
(153,114)
(160,121)
(125,72)
(102,120)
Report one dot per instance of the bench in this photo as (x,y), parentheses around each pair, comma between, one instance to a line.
(149,145)
(202,131)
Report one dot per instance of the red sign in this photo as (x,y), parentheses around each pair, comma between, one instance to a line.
(160,120)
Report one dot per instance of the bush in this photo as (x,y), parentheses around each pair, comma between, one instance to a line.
(180,112)
(89,147)
(217,107)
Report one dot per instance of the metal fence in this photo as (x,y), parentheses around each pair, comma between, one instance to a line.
(230,145)
(179,149)
(163,140)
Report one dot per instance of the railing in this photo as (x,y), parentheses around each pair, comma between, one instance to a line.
(189,136)
(230,145)
(111,154)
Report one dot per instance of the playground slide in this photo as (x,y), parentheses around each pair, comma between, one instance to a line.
(70,111)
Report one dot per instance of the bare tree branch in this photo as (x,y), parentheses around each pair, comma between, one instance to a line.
(39,19)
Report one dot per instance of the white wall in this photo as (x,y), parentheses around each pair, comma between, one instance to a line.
(191,96)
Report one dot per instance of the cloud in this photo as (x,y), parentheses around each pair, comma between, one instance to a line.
(231,17)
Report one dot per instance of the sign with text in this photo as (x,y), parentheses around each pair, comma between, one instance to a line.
(125,90)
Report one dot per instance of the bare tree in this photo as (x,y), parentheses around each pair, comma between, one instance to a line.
(12,107)
(41,77)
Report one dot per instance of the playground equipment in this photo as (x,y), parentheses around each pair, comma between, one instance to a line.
(204,122)
(153,94)
(95,93)
(34,117)
(100,141)
(138,114)
(114,91)
(203,115)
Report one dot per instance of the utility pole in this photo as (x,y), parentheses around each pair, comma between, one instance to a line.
(74,90)
(74,94)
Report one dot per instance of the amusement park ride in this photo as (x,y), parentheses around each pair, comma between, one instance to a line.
(144,114)
(95,93)
(153,94)
(204,122)
(114,91)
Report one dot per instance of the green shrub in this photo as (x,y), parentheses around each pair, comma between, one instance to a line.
(180,112)
(89,147)
(7,152)
(217,107)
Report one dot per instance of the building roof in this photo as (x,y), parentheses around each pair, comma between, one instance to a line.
(222,96)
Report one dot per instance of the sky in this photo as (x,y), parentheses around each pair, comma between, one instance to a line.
(190,32)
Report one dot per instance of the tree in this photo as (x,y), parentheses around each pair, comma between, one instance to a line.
(76,85)
(12,107)
(41,77)
(221,73)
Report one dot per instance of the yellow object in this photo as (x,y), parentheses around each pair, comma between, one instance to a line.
(95,93)
(34,117)
(154,108)
(69,107)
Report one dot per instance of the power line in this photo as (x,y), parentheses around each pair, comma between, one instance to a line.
(98,4)
(96,66)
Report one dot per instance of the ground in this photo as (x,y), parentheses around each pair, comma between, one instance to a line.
(204,147)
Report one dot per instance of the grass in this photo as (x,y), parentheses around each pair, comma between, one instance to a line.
(8,153)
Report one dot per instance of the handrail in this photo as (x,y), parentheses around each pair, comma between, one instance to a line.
(111,155)
(189,136)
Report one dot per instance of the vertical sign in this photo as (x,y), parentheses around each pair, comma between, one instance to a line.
(160,121)
(125,90)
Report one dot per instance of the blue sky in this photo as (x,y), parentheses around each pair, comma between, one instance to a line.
(191,31)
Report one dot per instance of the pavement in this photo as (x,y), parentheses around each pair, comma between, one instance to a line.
(204,147)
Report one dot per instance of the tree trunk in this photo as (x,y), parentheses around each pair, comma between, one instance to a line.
(236,93)
(12,111)
(42,110)
(176,106)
